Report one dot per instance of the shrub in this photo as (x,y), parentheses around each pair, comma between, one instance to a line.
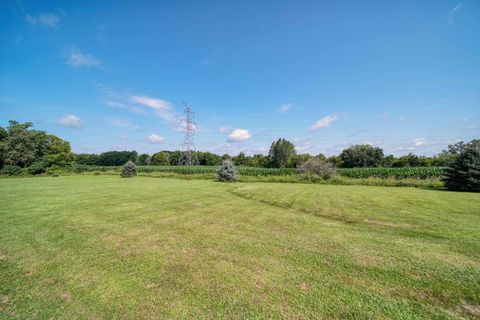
(37,168)
(129,170)
(318,167)
(464,173)
(11,170)
(227,172)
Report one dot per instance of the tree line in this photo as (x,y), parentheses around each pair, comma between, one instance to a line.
(21,146)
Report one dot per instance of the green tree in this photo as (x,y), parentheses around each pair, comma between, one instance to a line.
(56,151)
(160,159)
(143,159)
(281,152)
(19,147)
(463,174)
(129,170)
(363,155)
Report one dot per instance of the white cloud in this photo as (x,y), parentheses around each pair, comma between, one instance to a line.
(239,135)
(122,124)
(453,13)
(324,122)
(71,121)
(154,138)
(115,104)
(78,59)
(285,107)
(420,142)
(161,107)
(225,129)
(45,19)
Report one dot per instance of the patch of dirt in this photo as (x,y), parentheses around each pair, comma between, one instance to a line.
(385,223)
(150,285)
(65,296)
(4,299)
(2,257)
(470,309)
(304,286)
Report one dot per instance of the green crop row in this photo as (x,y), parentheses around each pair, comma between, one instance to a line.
(397,173)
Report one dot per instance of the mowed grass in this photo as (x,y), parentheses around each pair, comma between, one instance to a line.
(102,247)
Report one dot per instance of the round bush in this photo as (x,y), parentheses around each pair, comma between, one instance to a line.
(129,170)
(11,170)
(317,167)
(227,172)
(37,168)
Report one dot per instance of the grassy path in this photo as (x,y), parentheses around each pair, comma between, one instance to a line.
(101,247)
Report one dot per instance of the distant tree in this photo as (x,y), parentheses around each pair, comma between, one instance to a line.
(281,152)
(160,159)
(463,174)
(258,160)
(175,157)
(129,170)
(87,159)
(335,160)
(209,159)
(143,159)
(116,158)
(298,159)
(240,160)
(362,156)
(227,172)
(226,156)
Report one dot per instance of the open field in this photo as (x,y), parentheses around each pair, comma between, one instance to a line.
(102,247)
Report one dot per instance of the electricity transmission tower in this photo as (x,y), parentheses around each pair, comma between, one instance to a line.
(189,157)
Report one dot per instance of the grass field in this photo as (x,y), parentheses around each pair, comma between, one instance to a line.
(102,247)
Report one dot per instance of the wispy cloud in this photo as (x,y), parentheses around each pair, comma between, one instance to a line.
(415,144)
(285,107)
(122,124)
(161,108)
(238,135)
(45,19)
(155,138)
(78,59)
(141,104)
(453,13)
(225,129)
(71,121)
(324,122)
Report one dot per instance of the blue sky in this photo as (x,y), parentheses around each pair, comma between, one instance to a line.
(111,75)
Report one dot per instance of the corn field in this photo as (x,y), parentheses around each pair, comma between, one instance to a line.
(396,173)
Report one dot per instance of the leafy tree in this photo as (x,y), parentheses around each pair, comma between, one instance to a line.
(160,159)
(447,157)
(335,160)
(240,160)
(129,170)
(281,152)
(19,146)
(363,155)
(56,152)
(116,158)
(143,159)
(463,174)
(227,172)
(208,159)
(89,159)
(298,159)
(258,160)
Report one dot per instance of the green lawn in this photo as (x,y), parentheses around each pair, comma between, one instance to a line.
(102,247)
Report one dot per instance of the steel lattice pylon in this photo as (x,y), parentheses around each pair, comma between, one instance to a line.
(189,156)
